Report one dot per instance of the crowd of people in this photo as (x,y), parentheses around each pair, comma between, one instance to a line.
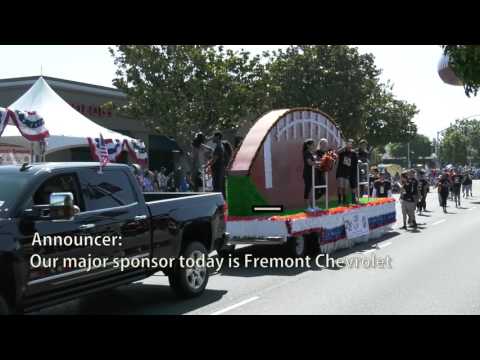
(412,185)
(207,164)
(452,184)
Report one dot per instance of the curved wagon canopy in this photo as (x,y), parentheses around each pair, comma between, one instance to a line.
(267,169)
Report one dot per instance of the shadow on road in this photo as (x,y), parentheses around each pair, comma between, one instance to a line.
(259,252)
(272,251)
(135,299)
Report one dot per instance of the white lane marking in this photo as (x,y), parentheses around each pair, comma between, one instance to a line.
(236,305)
(472,208)
(439,222)
(383,245)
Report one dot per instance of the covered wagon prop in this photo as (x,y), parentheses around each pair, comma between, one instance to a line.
(266,173)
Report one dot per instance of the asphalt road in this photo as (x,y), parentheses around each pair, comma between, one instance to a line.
(434,270)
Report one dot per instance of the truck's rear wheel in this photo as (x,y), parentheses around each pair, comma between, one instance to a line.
(190,281)
(297,246)
(4,308)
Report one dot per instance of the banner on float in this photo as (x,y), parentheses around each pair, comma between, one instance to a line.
(356,225)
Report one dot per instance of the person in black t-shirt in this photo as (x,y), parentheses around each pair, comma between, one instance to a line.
(308,162)
(363,153)
(443,187)
(218,164)
(467,185)
(372,177)
(382,188)
(346,172)
(408,199)
(423,190)
(457,179)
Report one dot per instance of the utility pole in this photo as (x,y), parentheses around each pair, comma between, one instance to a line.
(409,165)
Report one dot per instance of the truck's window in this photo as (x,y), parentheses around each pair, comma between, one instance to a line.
(107,190)
(59,183)
(12,186)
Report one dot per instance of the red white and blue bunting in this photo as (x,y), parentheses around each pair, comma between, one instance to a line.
(30,124)
(32,127)
(329,225)
(136,149)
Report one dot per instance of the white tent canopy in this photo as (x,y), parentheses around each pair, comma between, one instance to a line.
(67,127)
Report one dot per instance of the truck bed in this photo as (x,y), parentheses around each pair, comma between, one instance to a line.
(155,196)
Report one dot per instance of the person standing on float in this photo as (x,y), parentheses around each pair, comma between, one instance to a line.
(346,173)
(308,162)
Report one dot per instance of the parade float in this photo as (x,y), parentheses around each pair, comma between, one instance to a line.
(266,174)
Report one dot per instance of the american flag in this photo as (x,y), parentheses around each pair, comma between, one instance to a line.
(102,152)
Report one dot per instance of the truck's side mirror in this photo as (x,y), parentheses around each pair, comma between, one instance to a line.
(61,206)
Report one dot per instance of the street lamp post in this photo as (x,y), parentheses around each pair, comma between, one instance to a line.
(408,155)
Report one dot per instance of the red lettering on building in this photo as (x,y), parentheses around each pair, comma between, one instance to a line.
(91,110)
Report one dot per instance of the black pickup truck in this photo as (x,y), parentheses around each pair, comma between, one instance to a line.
(55,200)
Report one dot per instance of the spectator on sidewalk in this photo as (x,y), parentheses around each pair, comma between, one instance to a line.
(200,155)
(218,164)
(162,180)
(148,181)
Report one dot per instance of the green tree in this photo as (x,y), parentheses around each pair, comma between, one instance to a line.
(461,143)
(420,147)
(343,83)
(465,62)
(180,89)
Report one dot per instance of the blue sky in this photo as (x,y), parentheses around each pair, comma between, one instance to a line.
(411,68)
